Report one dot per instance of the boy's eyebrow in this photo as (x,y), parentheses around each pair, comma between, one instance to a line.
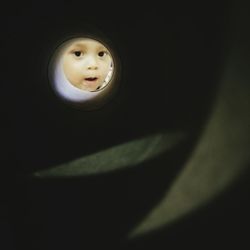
(101,47)
(77,45)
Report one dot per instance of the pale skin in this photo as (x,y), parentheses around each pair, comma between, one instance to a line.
(86,63)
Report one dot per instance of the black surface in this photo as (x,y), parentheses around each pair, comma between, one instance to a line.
(165,54)
(165,51)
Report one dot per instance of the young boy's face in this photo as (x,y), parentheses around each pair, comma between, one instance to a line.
(86,63)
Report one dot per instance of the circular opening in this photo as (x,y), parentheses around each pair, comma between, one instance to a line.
(83,72)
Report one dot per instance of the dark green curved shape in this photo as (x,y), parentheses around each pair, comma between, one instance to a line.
(129,154)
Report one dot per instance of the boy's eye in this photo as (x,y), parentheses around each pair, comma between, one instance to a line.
(102,53)
(77,53)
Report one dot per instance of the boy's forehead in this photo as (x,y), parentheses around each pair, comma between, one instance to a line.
(86,43)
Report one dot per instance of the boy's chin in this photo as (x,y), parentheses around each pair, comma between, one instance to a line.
(88,87)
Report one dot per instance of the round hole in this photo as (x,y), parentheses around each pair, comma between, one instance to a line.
(83,71)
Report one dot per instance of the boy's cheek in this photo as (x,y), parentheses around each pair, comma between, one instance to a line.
(71,69)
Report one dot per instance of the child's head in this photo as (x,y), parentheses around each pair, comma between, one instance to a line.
(87,63)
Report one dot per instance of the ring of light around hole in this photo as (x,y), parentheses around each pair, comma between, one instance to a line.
(83,72)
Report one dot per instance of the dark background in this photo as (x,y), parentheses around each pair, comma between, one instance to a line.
(165,52)
(172,57)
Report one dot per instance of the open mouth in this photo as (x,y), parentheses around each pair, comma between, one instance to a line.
(91,79)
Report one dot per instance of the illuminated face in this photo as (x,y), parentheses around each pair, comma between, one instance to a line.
(86,64)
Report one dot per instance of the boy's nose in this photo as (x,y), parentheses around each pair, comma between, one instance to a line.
(92,64)
(92,67)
